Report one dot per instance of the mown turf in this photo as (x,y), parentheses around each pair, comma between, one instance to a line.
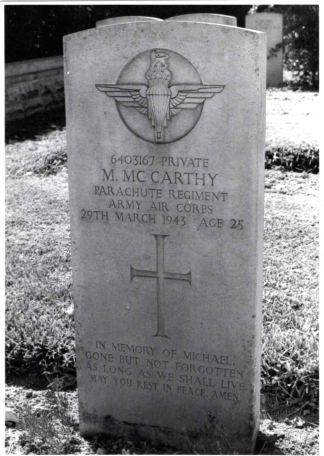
(293,119)
(290,304)
(40,332)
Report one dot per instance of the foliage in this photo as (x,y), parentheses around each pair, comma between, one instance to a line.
(302,159)
(40,329)
(35,31)
(39,338)
(293,380)
(290,345)
(48,430)
(51,163)
(301,41)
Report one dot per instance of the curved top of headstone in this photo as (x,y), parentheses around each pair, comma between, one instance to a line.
(125,19)
(264,22)
(264,14)
(266,19)
(206,17)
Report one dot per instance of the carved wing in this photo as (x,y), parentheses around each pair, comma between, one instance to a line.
(129,95)
(190,96)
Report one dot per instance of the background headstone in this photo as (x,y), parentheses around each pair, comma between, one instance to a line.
(166,204)
(272,25)
(124,19)
(206,17)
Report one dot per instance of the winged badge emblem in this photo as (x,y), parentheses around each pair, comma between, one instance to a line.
(159,100)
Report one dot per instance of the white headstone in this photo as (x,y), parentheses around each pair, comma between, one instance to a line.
(272,25)
(206,17)
(125,19)
(165,131)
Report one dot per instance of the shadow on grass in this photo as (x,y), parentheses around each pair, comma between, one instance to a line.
(40,382)
(267,444)
(35,382)
(35,126)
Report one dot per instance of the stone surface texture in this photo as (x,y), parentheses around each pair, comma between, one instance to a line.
(125,19)
(272,25)
(11,416)
(206,17)
(166,204)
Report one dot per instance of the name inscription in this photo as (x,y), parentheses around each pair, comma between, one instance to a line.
(133,191)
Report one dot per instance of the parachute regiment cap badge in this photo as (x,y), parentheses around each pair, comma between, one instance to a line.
(158,100)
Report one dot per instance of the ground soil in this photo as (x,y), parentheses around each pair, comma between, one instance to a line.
(281,431)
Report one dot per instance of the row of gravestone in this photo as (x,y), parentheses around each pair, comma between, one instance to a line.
(165,135)
(270,23)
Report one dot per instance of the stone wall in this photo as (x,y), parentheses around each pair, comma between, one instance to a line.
(34,86)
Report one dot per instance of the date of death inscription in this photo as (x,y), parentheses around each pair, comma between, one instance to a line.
(182,191)
(122,365)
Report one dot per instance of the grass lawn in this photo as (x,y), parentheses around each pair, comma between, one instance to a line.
(39,311)
(290,296)
(292,119)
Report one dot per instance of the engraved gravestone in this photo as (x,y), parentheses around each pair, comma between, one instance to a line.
(165,131)
(206,17)
(272,25)
(124,19)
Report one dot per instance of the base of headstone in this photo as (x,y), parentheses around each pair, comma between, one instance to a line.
(212,438)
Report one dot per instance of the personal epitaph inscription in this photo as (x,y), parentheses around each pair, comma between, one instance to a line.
(158,100)
(166,226)
(161,276)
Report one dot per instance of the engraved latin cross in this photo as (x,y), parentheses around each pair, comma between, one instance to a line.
(161,276)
